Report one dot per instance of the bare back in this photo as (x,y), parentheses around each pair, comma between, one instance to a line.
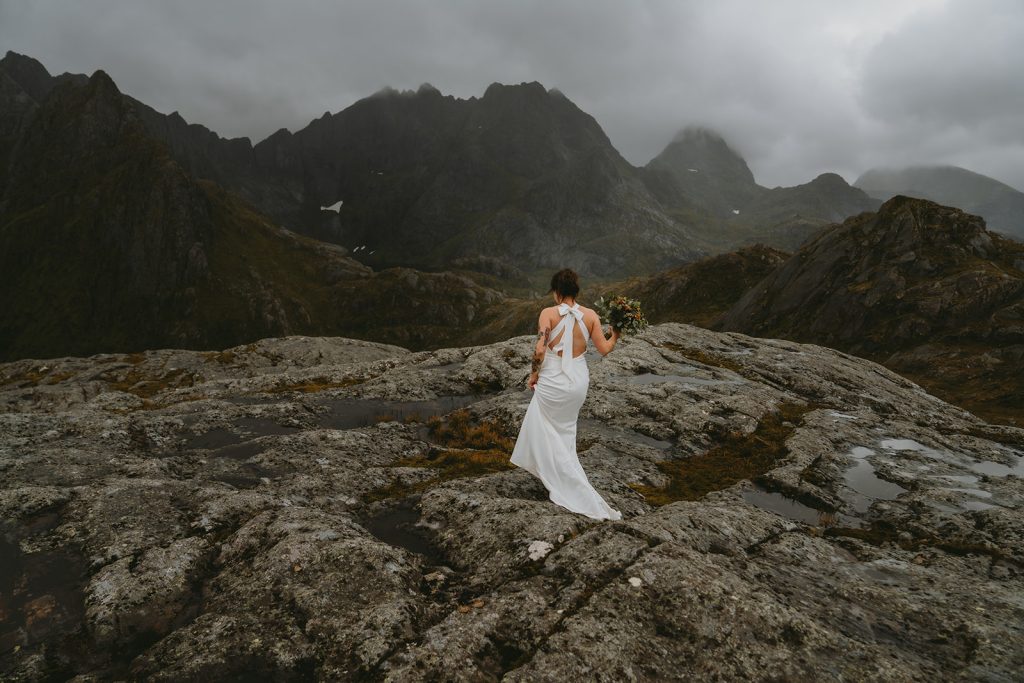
(579,341)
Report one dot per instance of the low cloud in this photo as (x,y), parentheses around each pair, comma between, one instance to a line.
(798,87)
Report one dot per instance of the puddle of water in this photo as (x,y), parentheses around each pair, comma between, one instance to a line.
(241,451)
(862,479)
(786,507)
(218,437)
(987,467)
(41,598)
(976,505)
(911,445)
(842,415)
(994,469)
(397,526)
(977,493)
(350,413)
(248,428)
(941,507)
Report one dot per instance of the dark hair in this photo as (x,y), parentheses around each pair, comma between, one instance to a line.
(565,283)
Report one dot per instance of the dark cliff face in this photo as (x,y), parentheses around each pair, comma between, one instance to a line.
(520,174)
(102,232)
(107,244)
(699,167)
(916,285)
(516,182)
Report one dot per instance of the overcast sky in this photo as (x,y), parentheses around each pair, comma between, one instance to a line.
(797,87)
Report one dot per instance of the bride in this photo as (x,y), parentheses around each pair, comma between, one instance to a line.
(546,445)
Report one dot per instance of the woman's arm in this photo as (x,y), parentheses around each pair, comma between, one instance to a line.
(539,349)
(602,344)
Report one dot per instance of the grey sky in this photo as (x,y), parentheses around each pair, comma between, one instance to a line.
(798,87)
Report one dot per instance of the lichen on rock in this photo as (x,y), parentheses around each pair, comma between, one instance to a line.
(327,508)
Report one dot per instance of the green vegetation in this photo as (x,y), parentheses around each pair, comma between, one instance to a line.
(146,386)
(470,449)
(699,292)
(738,456)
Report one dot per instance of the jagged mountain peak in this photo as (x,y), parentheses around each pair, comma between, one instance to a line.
(699,134)
(869,283)
(700,150)
(533,88)
(28,73)
(831,178)
(101,80)
(912,220)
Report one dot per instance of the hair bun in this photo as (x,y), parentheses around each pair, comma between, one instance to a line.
(565,283)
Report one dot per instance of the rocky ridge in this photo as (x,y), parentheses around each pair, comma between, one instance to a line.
(699,171)
(1000,205)
(517,181)
(924,289)
(290,509)
(699,292)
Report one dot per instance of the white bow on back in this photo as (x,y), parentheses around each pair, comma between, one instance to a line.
(565,342)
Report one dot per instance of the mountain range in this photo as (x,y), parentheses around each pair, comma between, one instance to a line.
(519,178)
(122,229)
(924,289)
(108,243)
(1000,205)
(700,178)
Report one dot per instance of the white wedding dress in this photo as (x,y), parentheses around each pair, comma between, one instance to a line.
(546,445)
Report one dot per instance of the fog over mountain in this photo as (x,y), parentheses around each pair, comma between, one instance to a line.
(799,88)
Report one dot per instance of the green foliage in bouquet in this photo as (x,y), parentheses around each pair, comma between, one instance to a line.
(621,313)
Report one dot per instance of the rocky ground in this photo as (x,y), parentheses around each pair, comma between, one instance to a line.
(326,508)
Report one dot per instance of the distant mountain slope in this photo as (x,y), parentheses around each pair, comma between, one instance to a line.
(1000,205)
(699,172)
(698,292)
(920,287)
(514,183)
(519,178)
(107,244)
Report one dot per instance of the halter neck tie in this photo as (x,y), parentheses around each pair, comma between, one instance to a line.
(571,314)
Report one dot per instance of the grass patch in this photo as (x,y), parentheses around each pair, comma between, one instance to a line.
(222,357)
(458,430)
(135,382)
(34,377)
(471,449)
(709,359)
(739,456)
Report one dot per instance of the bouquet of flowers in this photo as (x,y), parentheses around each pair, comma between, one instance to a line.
(622,313)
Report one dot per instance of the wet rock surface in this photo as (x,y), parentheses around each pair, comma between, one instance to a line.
(327,508)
